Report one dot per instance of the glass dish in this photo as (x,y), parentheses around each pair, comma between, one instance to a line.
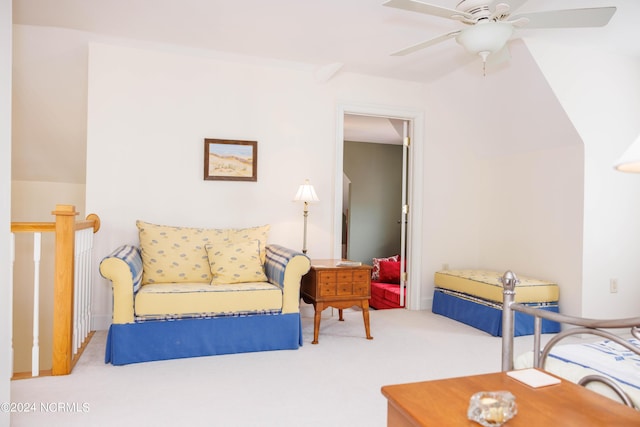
(492,408)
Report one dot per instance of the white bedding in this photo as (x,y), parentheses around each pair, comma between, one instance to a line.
(575,361)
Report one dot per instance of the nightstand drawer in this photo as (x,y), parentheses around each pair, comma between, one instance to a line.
(345,288)
(327,277)
(327,289)
(345,276)
(361,276)
(326,283)
(361,289)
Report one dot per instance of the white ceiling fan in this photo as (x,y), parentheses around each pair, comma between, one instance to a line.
(491,23)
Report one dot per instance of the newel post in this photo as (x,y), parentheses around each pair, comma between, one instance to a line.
(63,289)
(509,281)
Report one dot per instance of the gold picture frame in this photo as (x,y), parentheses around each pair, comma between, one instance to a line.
(230,160)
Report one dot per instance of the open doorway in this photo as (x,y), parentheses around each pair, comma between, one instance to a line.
(374,222)
(414,187)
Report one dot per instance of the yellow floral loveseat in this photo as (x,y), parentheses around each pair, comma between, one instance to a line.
(188,292)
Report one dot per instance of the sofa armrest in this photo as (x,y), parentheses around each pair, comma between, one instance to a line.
(285,267)
(124,268)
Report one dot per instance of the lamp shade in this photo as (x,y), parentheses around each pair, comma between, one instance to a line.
(630,160)
(485,37)
(306,193)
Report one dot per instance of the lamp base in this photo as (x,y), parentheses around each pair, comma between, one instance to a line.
(304,235)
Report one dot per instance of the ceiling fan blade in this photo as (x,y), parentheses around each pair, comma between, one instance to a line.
(499,10)
(570,18)
(429,9)
(426,43)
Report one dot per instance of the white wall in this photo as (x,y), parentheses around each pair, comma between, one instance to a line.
(50,112)
(508,191)
(599,90)
(35,200)
(375,171)
(150,109)
(532,217)
(5,206)
(149,112)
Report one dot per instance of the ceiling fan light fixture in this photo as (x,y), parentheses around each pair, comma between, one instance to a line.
(485,38)
(491,23)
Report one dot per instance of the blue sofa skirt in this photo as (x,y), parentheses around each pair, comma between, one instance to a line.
(173,339)
(487,316)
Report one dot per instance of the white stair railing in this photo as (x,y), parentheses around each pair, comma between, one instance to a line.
(82,288)
(72,286)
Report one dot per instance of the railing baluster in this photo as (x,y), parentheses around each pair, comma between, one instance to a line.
(84,284)
(13,260)
(76,294)
(82,305)
(35,348)
(87,283)
(81,289)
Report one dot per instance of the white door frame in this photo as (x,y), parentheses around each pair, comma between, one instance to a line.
(415,187)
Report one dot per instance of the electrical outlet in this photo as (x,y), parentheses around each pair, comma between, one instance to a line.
(613,285)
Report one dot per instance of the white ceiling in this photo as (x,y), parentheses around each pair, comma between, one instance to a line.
(379,130)
(357,33)
(360,34)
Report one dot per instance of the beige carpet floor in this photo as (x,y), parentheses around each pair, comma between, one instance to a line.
(334,383)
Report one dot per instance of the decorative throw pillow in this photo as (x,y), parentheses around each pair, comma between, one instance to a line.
(176,254)
(260,234)
(390,272)
(375,270)
(236,263)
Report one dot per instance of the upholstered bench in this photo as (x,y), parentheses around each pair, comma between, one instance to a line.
(475,297)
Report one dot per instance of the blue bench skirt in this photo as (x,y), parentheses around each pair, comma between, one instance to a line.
(172,339)
(487,316)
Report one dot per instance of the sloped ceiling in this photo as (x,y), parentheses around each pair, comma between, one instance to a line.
(49,120)
(358,33)
(50,88)
(380,130)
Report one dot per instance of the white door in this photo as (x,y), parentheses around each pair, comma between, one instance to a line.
(404,209)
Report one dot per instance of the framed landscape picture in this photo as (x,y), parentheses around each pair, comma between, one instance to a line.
(229,160)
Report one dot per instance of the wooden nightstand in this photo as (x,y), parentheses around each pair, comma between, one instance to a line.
(329,285)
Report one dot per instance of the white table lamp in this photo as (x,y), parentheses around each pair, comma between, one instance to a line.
(306,194)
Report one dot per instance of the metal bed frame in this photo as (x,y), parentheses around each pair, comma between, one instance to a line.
(579,325)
